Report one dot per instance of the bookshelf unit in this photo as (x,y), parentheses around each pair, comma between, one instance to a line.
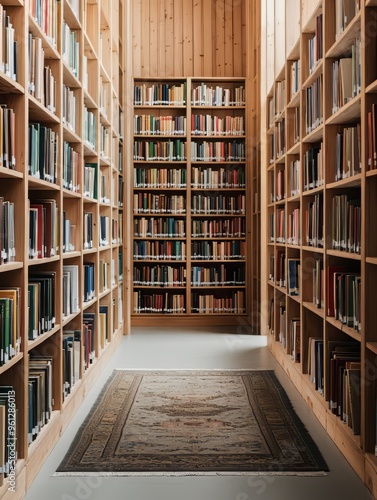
(62,172)
(189,201)
(321,249)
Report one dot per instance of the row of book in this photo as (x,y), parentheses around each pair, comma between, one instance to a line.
(343,365)
(45,13)
(218,178)
(218,151)
(43,228)
(217,125)
(344,295)
(172,150)
(218,276)
(314,104)
(159,125)
(69,235)
(293,227)
(71,49)
(7,137)
(71,165)
(41,81)
(280,236)
(10,323)
(41,303)
(145,202)
(296,120)
(280,186)
(279,97)
(230,302)
(346,73)
(159,250)
(153,227)
(69,108)
(8,45)
(348,152)
(160,303)
(205,95)
(218,250)
(43,152)
(104,142)
(218,204)
(313,225)
(160,177)
(160,275)
(40,394)
(89,129)
(313,167)
(9,433)
(7,232)
(345,11)
(315,45)
(346,224)
(71,299)
(279,141)
(294,78)
(372,137)
(295,177)
(229,228)
(157,94)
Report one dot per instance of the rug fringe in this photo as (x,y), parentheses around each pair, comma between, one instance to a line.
(188,473)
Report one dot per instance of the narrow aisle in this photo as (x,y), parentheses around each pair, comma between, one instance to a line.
(198,349)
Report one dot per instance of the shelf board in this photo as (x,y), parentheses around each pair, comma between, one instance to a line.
(354,181)
(167,106)
(103,248)
(313,308)
(47,433)
(371,260)
(11,266)
(89,303)
(104,293)
(8,85)
(296,298)
(344,255)
(7,173)
(347,113)
(318,70)
(293,199)
(312,249)
(89,100)
(32,344)
(371,88)
(71,255)
(372,346)
(281,289)
(70,194)
(343,44)
(295,101)
(280,160)
(45,260)
(216,189)
(89,149)
(89,200)
(295,149)
(217,215)
(39,112)
(159,287)
(11,362)
(371,173)
(70,135)
(89,50)
(315,135)
(294,247)
(68,319)
(69,78)
(88,251)
(311,192)
(344,328)
(371,3)
(34,183)
(218,238)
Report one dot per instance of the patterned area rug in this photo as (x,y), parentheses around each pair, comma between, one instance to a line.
(192,422)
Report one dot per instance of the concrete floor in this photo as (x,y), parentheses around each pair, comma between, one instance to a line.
(200,348)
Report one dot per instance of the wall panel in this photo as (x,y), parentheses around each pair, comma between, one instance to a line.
(189,37)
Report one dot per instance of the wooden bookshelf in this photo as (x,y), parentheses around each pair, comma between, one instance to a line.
(91,77)
(311,306)
(203,182)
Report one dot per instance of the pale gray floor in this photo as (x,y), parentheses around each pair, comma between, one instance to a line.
(202,348)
